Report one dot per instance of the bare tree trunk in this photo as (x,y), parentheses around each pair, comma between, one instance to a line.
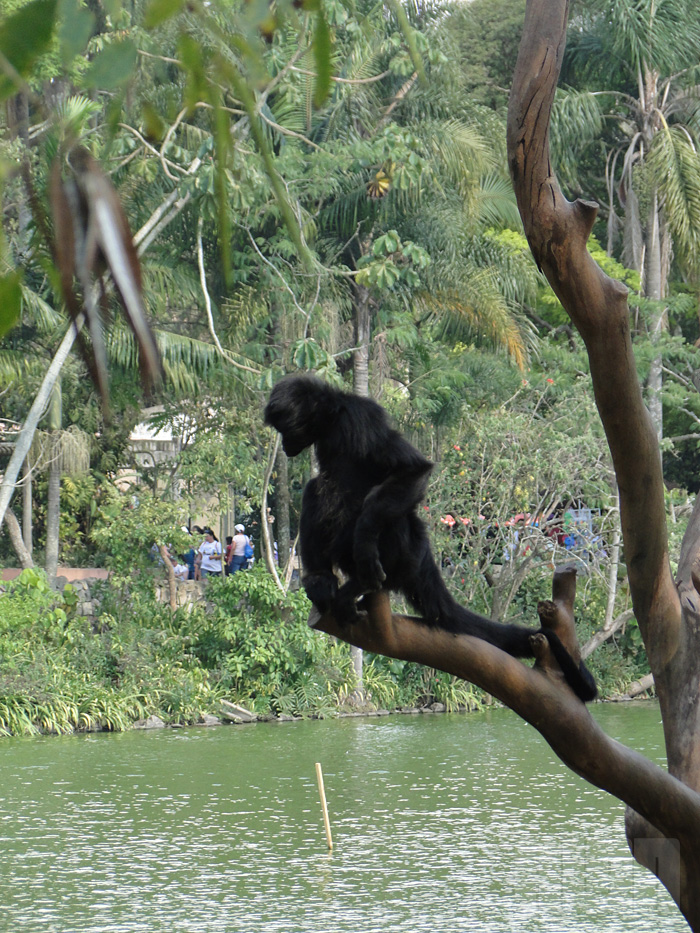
(170,570)
(36,412)
(282,499)
(53,504)
(667,611)
(53,516)
(27,508)
(13,530)
(360,372)
(654,287)
(266,538)
(360,368)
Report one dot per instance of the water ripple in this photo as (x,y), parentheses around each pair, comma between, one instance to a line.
(441,824)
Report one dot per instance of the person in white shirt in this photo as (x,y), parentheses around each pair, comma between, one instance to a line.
(181,570)
(210,549)
(239,561)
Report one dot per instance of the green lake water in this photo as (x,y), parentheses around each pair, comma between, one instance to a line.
(441,823)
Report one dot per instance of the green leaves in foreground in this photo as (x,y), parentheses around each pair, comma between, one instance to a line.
(24,36)
(113,66)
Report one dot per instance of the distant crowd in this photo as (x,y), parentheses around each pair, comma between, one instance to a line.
(208,560)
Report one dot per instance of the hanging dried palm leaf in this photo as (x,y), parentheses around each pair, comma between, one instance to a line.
(92,238)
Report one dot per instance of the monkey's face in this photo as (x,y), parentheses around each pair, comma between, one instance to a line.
(293,409)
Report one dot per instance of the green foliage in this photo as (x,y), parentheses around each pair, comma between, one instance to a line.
(126,526)
(52,666)
(24,37)
(506,480)
(268,656)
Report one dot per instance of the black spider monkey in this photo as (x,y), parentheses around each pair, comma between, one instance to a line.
(359,514)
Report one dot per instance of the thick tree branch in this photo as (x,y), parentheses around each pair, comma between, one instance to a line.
(668,615)
(15,533)
(557,231)
(542,698)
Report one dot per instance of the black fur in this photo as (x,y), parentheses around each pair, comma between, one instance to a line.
(359,514)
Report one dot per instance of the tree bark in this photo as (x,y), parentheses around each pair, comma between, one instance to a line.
(15,533)
(360,373)
(663,819)
(360,368)
(53,498)
(282,509)
(26,435)
(654,287)
(170,570)
(27,508)
(53,515)
(668,612)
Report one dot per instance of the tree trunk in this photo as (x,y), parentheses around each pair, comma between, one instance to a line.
(53,502)
(27,508)
(654,287)
(53,514)
(170,570)
(360,369)
(36,412)
(668,612)
(360,373)
(13,530)
(282,500)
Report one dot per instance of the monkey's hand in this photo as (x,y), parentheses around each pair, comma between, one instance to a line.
(369,572)
(321,588)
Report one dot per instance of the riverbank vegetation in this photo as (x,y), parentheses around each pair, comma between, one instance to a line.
(299,210)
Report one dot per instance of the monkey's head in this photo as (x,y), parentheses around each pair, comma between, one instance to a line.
(300,408)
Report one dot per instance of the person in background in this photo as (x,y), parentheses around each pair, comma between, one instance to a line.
(181,569)
(227,555)
(189,557)
(238,556)
(197,556)
(210,550)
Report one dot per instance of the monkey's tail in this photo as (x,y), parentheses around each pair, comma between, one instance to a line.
(430,596)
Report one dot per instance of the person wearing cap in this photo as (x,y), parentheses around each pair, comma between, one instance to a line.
(210,549)
(238,557)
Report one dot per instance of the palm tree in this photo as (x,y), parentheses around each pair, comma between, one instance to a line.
(649,50)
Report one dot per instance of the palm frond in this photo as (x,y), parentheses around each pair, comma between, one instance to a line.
(674,165)
(459,151)
(44,315)
(495,203)
(652,35)
(477,313)
(577,120)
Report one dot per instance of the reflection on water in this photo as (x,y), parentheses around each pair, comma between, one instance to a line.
(440,824)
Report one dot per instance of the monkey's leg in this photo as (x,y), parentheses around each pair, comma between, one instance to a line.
(321,588)
(345,604)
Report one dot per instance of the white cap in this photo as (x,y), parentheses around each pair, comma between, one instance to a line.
(240,528)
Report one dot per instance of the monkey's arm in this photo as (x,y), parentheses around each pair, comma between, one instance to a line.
(318,578)
(387,503)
